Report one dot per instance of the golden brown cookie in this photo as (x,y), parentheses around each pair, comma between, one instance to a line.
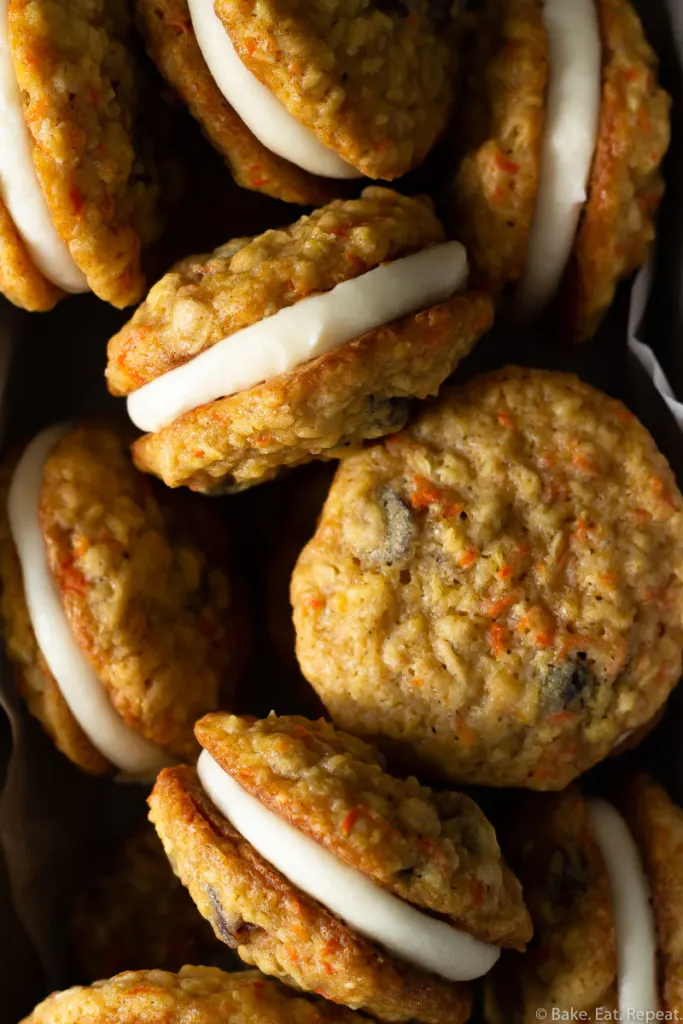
(432,851)
(571,961)
(435,850)
(276,927)
(203,995)
(100,196)
(499,162)
(172,45)
(356,391)
(500,129)
(143,584)
(657,825)
(371,80)
(497,592)
(617,229)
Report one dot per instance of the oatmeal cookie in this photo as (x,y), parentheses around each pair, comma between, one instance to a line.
(278,928)
(437,851)
(499,163)
(371,80)
(496,594)
(500,127)
(356,391)
(201,995)
(143,584)
(571,961)
(167,28)
(657,825)
(617,229)
(78,80)
(20,280)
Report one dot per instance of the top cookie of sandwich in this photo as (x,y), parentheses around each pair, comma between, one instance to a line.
(79,90)
(435,850)
(498,591)
(371,80)
(203,995)
(207,298)
(295,345)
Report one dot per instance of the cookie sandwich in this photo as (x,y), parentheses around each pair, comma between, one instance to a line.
(604,892)
(322,869)
(299,96)
(118,614)
(204,995)
(77,202)
(564,127)
(496,593)
(297,344)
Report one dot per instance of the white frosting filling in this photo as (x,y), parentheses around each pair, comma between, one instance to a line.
(633,922)
(306,330)
(19,186)
(78,682)
(261,111)
(412,935)
(571,133)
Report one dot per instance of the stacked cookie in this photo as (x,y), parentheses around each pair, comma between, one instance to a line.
(485,576)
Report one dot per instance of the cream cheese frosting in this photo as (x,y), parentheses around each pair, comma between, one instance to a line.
(633,920)
(409,933)
(264,115)
(19,185)
(570,138)
(298,333)
(79,684)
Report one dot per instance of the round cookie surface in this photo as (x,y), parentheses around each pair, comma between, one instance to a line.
(372,81)
(172,45)
(203,995)
(496,594)
(435,850)
(276,927)
(143,584)
(78,80)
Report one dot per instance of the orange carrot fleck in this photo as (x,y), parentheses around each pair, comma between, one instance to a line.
(504,572)
(314,603)
(464,732)
(544,639)
(583,462)
(418,681)
(351,819)
(425,493)
(563,716)
(496,607)
(498,639)
(468,559)
(505,420)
